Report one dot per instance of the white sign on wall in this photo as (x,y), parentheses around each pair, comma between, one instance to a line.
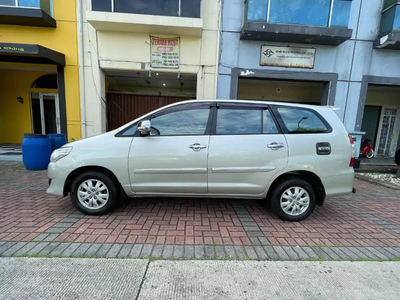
(293,57)
(164,52)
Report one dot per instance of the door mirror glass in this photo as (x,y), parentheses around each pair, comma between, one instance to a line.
(144,127)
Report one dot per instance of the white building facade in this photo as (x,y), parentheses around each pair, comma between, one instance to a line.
(141,55)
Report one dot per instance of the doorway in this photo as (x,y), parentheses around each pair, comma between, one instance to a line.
(45,113)
(388,131)
(133,94)
(370,123)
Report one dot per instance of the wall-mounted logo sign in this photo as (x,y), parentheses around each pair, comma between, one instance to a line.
(164,52)
(290,57)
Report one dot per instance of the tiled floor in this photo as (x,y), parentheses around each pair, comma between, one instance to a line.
(369,218)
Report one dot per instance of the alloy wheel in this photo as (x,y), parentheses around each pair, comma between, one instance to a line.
(93,194)
(295,201)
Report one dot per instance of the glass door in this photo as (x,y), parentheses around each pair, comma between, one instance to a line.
(45,113)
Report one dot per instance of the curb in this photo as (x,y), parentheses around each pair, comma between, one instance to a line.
(377,182)
(197,252)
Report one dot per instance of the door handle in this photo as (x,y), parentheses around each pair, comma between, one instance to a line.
(275,146)
(197,147)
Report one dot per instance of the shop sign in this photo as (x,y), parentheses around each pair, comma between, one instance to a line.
(16,48)
(290,57)
(164,52)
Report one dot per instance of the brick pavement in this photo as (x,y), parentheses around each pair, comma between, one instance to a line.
(369,219)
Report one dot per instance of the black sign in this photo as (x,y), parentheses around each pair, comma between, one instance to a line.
(18,48)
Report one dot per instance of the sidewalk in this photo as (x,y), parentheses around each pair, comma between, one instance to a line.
(42,278)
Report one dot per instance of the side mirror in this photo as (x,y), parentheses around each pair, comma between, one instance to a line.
(144,127)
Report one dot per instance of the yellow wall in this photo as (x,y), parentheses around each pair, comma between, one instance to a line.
(279,91)
(15,118)
(62,39)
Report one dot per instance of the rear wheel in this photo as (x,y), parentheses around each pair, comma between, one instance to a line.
(94,193)
(370,154)
(293,199)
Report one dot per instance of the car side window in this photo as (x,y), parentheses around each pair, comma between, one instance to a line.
(190,121)
(236,120)
(130,131)
(299,120)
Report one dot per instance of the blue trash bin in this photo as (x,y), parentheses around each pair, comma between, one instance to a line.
(57,140)
(36,151)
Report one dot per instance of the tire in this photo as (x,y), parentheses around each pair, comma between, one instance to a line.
(285,188)
(105,197)
(370,154)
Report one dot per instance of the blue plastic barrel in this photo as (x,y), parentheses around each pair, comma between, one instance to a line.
(36,151)
(57,140)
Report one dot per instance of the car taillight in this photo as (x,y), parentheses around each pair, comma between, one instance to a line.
(353,152)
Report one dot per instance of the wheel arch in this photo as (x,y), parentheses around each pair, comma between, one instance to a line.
(310,177)
(75,173)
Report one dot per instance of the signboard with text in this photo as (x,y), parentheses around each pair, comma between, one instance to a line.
(18,48)
(164,52)
(290,57)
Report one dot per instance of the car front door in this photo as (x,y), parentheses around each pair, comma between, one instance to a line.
(172,159)
(246,150)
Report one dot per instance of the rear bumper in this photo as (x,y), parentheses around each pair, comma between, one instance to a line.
(339,184)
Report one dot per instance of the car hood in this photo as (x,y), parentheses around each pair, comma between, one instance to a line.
(91,140)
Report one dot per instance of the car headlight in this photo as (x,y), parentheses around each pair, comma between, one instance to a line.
(60,153)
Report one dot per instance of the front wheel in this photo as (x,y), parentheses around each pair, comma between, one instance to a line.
(94,193)
(293,199)
(370,154)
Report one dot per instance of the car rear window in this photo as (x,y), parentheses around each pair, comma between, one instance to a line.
(300,120)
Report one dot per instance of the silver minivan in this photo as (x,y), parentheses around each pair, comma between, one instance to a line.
(291,155)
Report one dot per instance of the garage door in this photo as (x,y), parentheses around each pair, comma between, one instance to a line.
(123,108)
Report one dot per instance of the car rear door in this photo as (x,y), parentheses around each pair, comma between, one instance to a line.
(246,150)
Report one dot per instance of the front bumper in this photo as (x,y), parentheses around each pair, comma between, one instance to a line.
(57,178)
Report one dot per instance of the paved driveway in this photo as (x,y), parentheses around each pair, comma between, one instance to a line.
(27,213)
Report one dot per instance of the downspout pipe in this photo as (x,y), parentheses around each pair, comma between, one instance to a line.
(81,66)
(218,48)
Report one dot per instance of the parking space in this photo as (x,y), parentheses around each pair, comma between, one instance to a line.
(27,213)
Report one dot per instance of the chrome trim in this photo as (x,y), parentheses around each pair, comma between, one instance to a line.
(112,5)
(243,169)
(144,127)
(172,171)
(275,146)
(197,146)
